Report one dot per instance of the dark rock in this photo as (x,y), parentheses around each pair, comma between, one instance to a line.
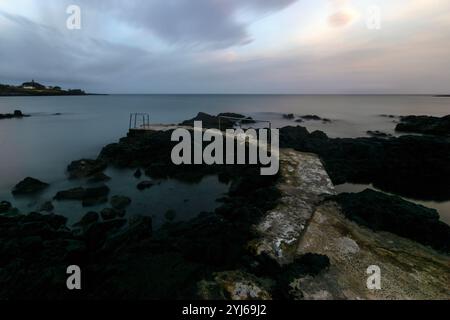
(88,219)
(97,233)
(29,186)
(85,168)
(299,120)
(289,116)
(109,213)
(120,202)
(311,117)
(391,116)
(139,229)
(47,207)
(411,166)
(17,114)
(170,215)
(5,206)
(425,125)
(138,173)
(382,212)
(91,202)
(89,196)
(145,185)
(99,177)
(241,118)
(71,194)
(379,134)
(209,121)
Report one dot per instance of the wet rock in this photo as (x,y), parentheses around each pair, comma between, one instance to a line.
(210,121)
(97,233)
(170,215)
(391,116)
(71,194)
(88,196)
(85,168)
(110,213)
(5,206)
(47,206)
(382,212)
(425,125)
(99,177)
(379,134)
(88,219)
(311,117)
(411,166)
(91,202)
(289,116)
(138,173)
(120,202)
(16,114)
(242,119)
(235,285)
(29,186)
(145,185)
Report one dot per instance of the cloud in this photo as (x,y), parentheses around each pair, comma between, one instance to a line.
(205,23)
(340,19)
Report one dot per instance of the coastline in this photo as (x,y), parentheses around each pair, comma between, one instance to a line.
(213,243)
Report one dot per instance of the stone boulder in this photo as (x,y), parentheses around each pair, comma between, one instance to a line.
(85,168)
(29,186)
(382,212)
(89,196)
(120,202)
(425,125)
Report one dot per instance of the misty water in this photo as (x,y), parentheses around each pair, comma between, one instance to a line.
(63,129)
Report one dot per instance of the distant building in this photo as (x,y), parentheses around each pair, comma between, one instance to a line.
(32,85)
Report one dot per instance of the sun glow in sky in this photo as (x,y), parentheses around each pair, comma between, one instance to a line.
(229,46)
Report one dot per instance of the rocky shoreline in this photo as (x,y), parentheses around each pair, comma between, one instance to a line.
(242,250)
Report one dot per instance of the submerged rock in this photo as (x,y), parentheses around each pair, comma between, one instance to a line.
(16,114)
(120,202)
(111,213)
(138,173)
(5,206)
(99,177)
(89,196)
(85,168)
(210,121)
(379,134)
(311,117)
(145,185)
(47,206)
(29,186)
(242,119)
(170,215)
(425,125)
(88,219)
(289,116)
(382,212)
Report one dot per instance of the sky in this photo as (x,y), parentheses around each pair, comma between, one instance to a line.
(229,46)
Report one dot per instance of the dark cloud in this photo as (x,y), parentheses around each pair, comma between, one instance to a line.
(208,23)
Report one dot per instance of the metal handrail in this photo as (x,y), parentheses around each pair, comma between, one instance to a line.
(145,120)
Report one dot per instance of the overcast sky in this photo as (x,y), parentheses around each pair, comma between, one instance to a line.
(228,46)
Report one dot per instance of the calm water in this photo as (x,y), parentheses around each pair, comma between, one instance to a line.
(41,146)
